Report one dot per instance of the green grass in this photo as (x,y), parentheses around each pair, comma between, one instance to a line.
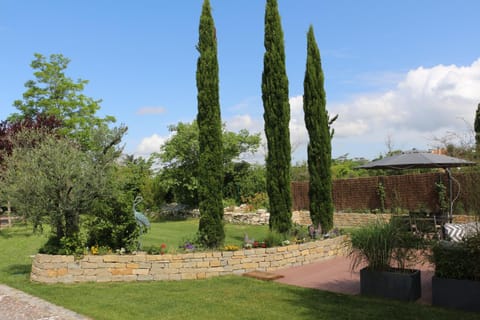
(175,233)
(229,297)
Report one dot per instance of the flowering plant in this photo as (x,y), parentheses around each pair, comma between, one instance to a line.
(163,248)
(261,244)
(99,250)
(231,247)
(189,246)
(94,249)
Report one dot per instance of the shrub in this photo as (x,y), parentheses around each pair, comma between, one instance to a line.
(299,232)
(457,260)
(274,239)
(113,226)
(257,201)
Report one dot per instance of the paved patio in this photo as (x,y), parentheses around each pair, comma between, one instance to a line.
(334,275)
(17,305)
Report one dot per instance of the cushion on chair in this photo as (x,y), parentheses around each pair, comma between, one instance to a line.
(458,231)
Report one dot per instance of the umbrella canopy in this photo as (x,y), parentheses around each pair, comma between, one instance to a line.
(420,159)
(416,160)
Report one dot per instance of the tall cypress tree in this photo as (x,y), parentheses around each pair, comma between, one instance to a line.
(319,147)
(210,176)
(477,131)
(277,117)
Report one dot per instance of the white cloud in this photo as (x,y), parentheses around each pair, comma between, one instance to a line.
(244,121)
(426,102)
(150,144)
(298,131)
(151,110)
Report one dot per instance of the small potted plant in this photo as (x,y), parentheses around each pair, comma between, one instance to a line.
(456,282)
(386,251)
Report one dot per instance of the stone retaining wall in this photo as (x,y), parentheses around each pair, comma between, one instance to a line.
(198,265)
(340,220)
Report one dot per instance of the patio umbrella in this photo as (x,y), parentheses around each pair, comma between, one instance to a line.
(420,159)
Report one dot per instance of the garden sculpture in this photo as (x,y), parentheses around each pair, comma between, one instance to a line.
(140,218)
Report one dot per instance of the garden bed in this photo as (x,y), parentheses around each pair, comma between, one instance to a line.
(196,265)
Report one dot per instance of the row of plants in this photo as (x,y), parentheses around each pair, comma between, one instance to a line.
(388,253)
(298,234)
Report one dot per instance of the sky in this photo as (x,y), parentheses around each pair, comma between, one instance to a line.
(400,74)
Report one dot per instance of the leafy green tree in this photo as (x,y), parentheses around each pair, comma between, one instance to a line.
(243,181)
(52,93)
(179,161)
(179,158)
(299,171)
(51,182)
(277,118)
(319,146)
(56,181)
(135,174)
(477,130)
(210,171)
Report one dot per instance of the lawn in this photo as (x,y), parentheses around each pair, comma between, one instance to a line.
(229,297)
(175,233)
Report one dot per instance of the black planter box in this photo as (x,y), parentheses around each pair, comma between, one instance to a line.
(399,285)
(456,294)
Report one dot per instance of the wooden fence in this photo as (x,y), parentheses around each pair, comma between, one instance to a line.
(410,192)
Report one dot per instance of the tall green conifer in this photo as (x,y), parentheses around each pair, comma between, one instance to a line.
(319,147)
(210,134)
(277,117)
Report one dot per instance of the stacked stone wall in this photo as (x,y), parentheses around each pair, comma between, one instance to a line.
(340,219)
(197,265)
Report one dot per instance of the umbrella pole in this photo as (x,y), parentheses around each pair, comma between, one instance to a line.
(450,195)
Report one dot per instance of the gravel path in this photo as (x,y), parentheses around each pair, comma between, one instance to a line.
(17,305)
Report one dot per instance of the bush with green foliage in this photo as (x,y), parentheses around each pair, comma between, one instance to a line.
(275,239)
(258,201)
(457,260)
(113,226)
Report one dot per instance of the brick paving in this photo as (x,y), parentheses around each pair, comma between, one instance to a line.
(334,275)
(17,305)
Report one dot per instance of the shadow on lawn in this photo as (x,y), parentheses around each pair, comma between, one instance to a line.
(4,234)
(317,304)
(18,269)
(18,230)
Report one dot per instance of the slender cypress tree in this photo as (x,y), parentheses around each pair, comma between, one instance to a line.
(277,117)
(319,147)
(477,131)
(210,176)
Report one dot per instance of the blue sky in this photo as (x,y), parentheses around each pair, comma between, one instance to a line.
(404,71)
